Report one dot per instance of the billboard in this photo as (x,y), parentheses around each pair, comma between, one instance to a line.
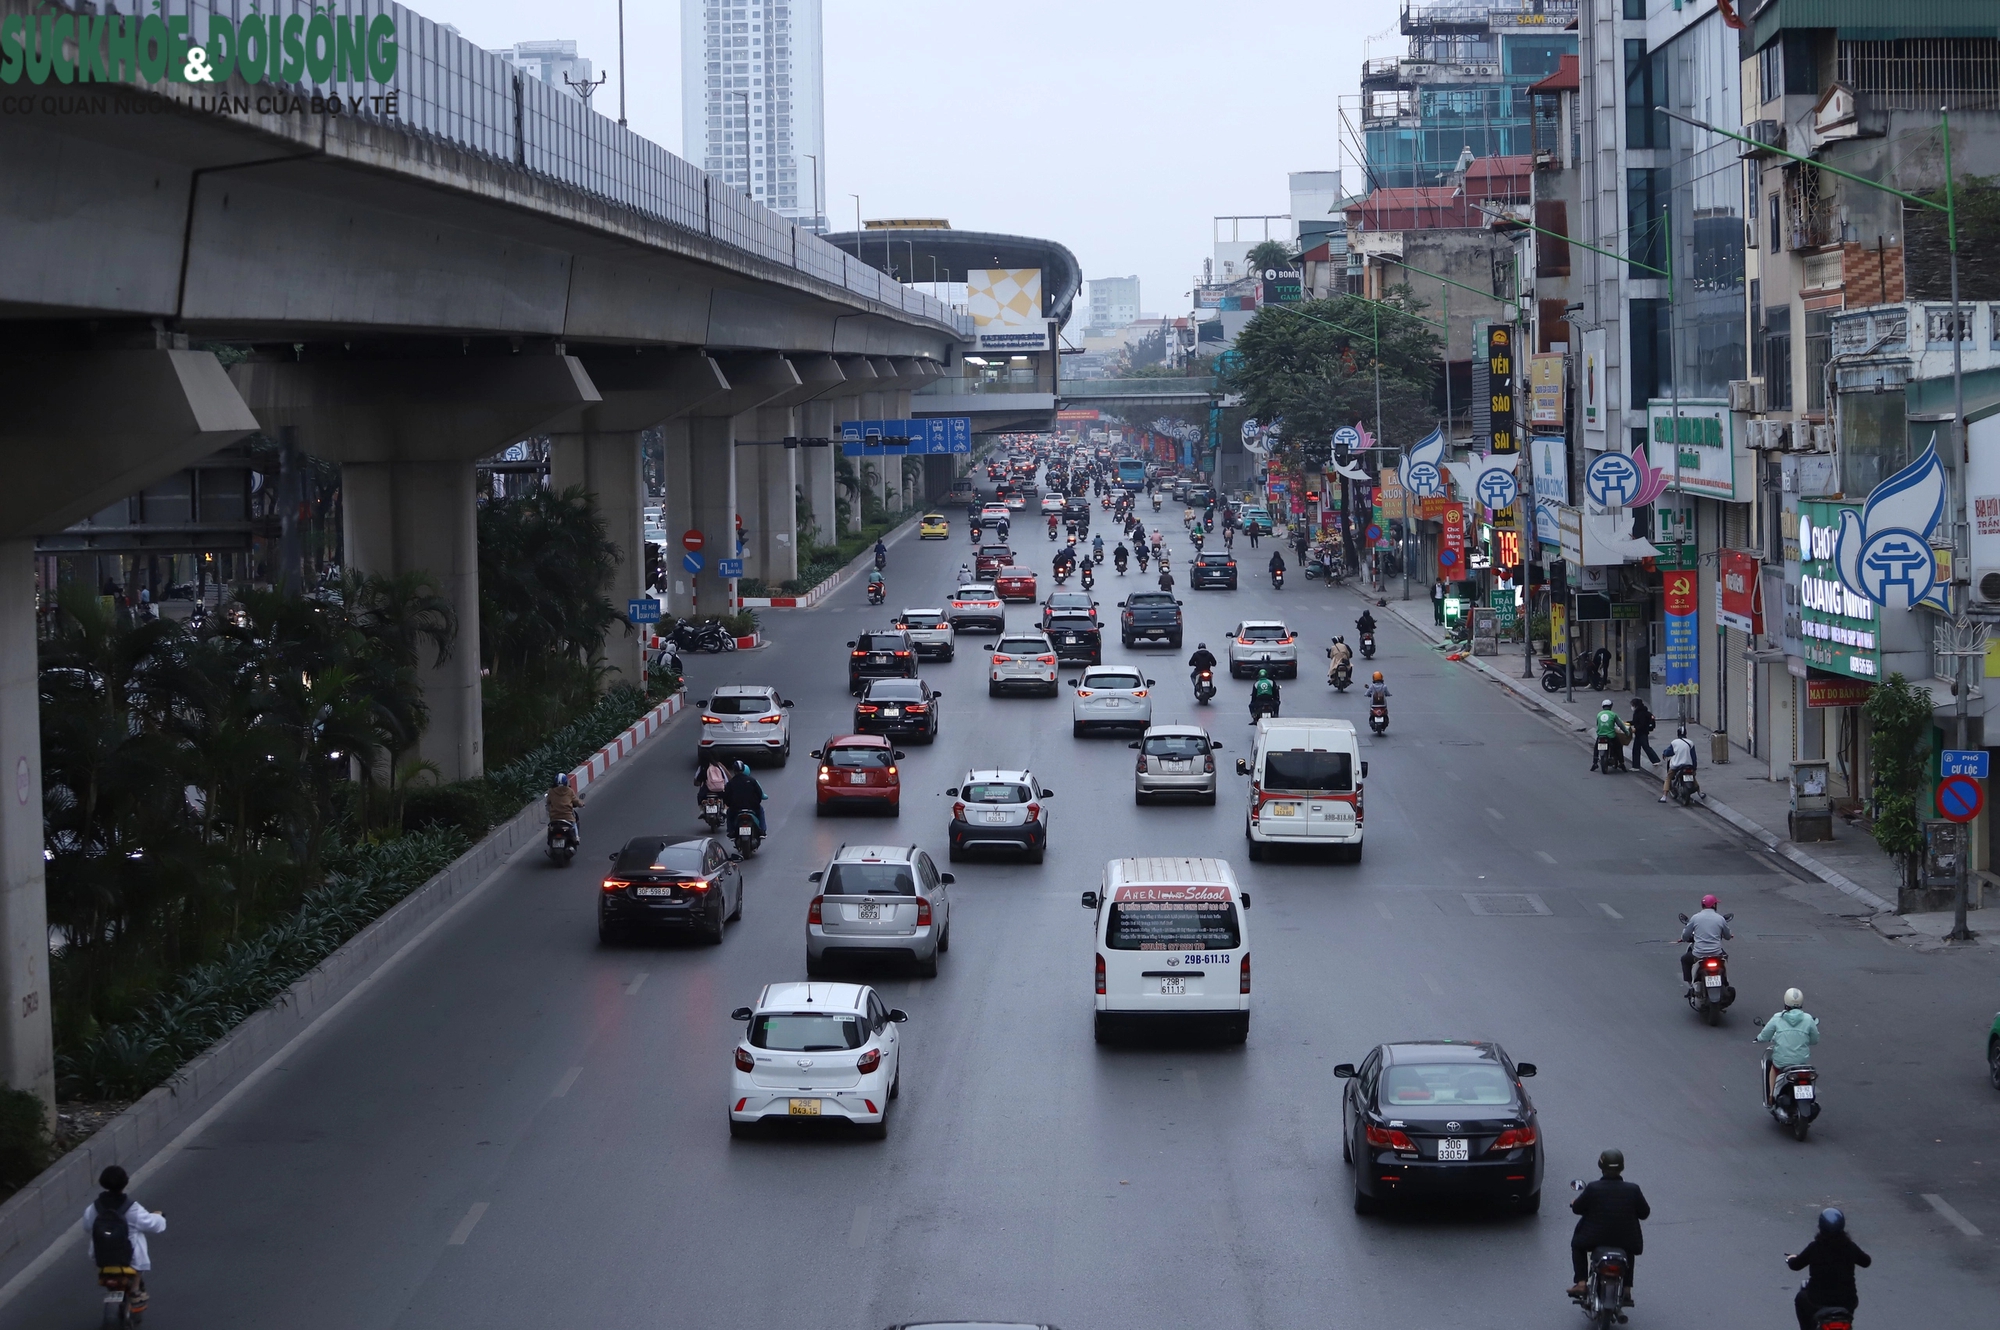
(1590,382)
(1006,308)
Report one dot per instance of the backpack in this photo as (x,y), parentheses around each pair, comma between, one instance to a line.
(715,779)
(110,1235)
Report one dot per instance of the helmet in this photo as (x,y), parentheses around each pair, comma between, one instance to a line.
(1681,732)
(1794,998)
(1263,674)
(1709,902)
(562,778)
(1605,705)
(1378,676)
(1338,638)
(1612,1161)
(1201,646)
(1832,1220)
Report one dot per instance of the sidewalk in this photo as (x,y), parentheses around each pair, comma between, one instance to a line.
(1738,791)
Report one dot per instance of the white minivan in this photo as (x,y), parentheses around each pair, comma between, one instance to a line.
(1172,946)
(1305,786)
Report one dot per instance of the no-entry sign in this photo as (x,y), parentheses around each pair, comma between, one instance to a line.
(1959,798)
(691,540)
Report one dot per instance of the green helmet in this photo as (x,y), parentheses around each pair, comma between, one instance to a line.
(1263,674)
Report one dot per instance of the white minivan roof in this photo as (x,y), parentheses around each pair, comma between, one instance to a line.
(1305,733)
(1167,871)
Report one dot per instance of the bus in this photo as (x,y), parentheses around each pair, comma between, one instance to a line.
(1132,472)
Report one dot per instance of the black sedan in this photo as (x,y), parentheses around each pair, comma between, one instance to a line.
(1441,1118)
(898,708)
(1213,568)
(659,885)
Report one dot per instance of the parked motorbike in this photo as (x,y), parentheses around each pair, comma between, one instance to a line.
(1709,993)
(1378,717)
(713,810)
(1277,579)
(1794,1099)
(743,830)
(1609,754)
(1606,1278)
(562,841)
(1682,788)
(1368,645)
(1555,675)
(1204,687)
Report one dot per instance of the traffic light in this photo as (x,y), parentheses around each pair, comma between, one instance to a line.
(656,564)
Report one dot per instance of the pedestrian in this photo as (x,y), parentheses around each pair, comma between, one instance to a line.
(1643,723)
(1251,531)
(1437,602)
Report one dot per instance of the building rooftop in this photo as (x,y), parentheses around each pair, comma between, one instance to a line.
(1565,79)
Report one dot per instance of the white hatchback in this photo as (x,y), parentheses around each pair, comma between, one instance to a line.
(1111,696)
(815,1051)
(746,720)
(1260,644)
(1021,661)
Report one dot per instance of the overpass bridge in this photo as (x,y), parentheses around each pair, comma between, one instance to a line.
(414,255)
(1114,394)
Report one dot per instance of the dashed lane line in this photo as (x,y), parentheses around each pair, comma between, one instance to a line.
(1608,910)
(1952,1217)
(466,1225)
(569,1079)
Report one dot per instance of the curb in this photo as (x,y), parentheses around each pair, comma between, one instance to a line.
(41,1212)
(1756,830)
(856,566)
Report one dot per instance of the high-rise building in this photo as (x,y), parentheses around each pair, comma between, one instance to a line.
(555,63)
(1114,303)
(753,105)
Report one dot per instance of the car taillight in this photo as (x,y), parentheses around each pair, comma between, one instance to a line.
(826,773)
(1514,1138)
(1388,1138)
(1046,660)
(1243,971)
(694,884)
(866,709)
(999,659)
(615,884)
(769,720)
(892,770)
(1100,973)
(1208,764)
(814,911)
(958,812)
(1142,763)
(868,1061)
(1138,692)
(744,1062)
(1034,812)
(717,720)
(916,708)
(858,653)
(1084,692)
(923,912)
(943,626)
(1232,563)
(902,653)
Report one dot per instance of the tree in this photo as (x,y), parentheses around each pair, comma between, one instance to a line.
(1900,716)
(1268,254)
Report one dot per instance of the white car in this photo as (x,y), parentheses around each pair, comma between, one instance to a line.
(1021,661)
(977,605)
(993,514)
(930,632)
(1173,946)
(747,721)
(1259,644)
(1109,696)
(1052,503)
(816,1051)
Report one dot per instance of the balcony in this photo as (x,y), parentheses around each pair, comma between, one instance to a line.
(1382,71)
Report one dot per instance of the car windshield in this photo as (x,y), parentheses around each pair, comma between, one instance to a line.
(879,642)
(896,690)
(975,593)
(922,618)
(1176,745)
(1020,646)
(1216,558)
(1264,632)
(857,758)
(994,551)
(994,792)
(1150,599)
(869,880)
(1069,600)
(652,855)
(1298,770)
(1116,679)
(738,706)
(1447,1084)
(1172,926)
(807,1032)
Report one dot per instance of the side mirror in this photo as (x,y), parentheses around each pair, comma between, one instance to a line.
(1524,1068)
(850,644)
(1089,900)
(1242,767)
(1364,769)
(899,754)
(897,1015)
(1048,794)
(936,695)
(947,878)
(613,856)
(1344,1070)
(740,1014)
(1683,918)
(989,646)
(786,705)
(1070,682)
(1727,917)
(1133,744)
(1246,900)
(1215,743)
(1149,683)
(814,877)
(816,754)
(703,702)
(952,792)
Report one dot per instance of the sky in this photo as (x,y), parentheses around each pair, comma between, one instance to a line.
(1118,127)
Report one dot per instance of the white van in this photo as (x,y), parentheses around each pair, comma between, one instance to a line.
(1305,786)
(1172,946)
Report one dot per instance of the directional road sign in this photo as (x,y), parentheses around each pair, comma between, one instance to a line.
(692,561)
(729,568)
(646,610)
(1959,798)
(1963,762)
(691,540)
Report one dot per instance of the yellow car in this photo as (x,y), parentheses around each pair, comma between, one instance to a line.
(933,527)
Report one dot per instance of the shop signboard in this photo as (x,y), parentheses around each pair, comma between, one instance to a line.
(1549,459)
(1590,386)
(1389,498)
(1559,632)
(1822,692)
(1673,536)
(1682,639)
(1702,442)
(1500,386)
(1838,630)
(1504,608)
(1451,545)
(1545,388)
(1737,602)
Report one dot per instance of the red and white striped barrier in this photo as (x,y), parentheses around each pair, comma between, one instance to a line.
(629,739)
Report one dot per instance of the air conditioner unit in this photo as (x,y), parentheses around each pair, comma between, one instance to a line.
(1764,133)
(1778,435)
(1746,395)
(1986,586)
(1753,435)
(1821,440)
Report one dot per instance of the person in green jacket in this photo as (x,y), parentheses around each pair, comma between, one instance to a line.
(1791,1034)
(1610,725)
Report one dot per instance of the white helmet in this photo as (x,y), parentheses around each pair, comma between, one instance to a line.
(1794,998)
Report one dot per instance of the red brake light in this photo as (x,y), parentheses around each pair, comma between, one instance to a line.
(1100,973)
(769,720)
(1208,764)
(923,912)
(943,626)
(813,911)
(715,720)
(1046,660)
(858,653)
(867,709)
(1388,1138)
(744,1062)
(902,653)
(958,812)
(916,708)
(1138,692)
(1514,1138)
(615,883)
(1084,692)
(1034,812)
(1711,965)
(694,884)
(1243,985)
(868,1061)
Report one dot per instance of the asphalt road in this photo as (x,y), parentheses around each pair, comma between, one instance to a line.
(520,1128)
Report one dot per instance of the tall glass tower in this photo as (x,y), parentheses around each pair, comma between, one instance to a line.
(753,106)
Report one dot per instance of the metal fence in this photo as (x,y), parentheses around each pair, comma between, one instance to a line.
(450,90)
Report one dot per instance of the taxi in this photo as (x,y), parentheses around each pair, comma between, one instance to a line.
(933,526)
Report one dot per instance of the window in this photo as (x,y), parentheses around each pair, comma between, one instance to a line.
(1172,926)
(1123,681)
(1819,345)
(1447,1084)
(1645,220)
(994,792)
(651,855)
(1184,746)
(1873,443)
(857,758)
(1635,8)
(1777,338)
(869,880)
(1643,87)
(808,1032)
(1648,349)
(1756,327)
(738,706)
(1311,771)
(895,690)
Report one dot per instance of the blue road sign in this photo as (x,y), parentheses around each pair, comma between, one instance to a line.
(643,610)
(926,436)
(1959,798)
(729,568)
(692,561)
(1963,762)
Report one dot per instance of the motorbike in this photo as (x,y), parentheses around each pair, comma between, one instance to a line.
(124,1302)
(1608,752)
(1794,1099)
(1682,788)
(1341,675)
(1142,562)
(743,830)
(1555,675)
(1710,991)
(1204,687)
(713,811)
(1156,503)
(876,591)
(1831,1318)
(1197,538)
(1605,1281)
(1052,530)
(881,560)
(562,840)
(1119,562)
(1087,580)
(1062,573)
(1378,717)
(1263,706)
(1368,644)
(1277,579)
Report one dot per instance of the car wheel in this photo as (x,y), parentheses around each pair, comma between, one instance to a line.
(875,1131)
(1365,1204)
(736,915)
(1100,1029)
(992,689)
(1210,800)
(713,935)
(896,809)
(1256,847)
(815,967)
(1141,797)
(1076,729)
(944,944)
(785,753)
(608,936)
(819,810)
(1127,642)
(1036,852)
(1346,1147)
(928,969)
(896,1086)
(739,1130)
(1531,1204)
(954,854)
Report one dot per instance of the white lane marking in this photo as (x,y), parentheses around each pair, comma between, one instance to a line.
(465,1225)
(637,980)
(1432,984)
(857,1232)
(1192,1079)
(1383,910)
(569,1079)
(1453,774)
(1494,813)
(1545,856)
(1608,910)
(1951,1216)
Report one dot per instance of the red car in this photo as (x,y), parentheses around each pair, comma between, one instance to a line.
(991,558)
(858,771)
(1015,583)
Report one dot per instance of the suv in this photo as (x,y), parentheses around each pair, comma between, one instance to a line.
(879,902)
(1075,636)
(990,559)
(747,720)
(1153,615)
(1213,568)
(1263,644)
(1003,809)
(887,653)
(930,633)
(1068,602)
(1023,660)
(978,605)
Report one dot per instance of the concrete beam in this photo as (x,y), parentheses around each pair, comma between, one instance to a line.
(640,388)
(755,378)
(818,376)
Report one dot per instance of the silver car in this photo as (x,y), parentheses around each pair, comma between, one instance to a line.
(1175,759)
(1110,696)
(1258,644)
(1005,810)
(748,721)
(930,632)
(879,902)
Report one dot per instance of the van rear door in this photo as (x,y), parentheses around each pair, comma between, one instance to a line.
(1171,949)
(1309,786)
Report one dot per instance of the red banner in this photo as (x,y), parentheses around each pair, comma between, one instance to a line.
(1738,604)
(1822,693)
(1451,545)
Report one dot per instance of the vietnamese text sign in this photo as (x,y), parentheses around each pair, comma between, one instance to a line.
(1822,693)
(1504,608)
(1500,386)
(1559,632)
(1682,641)
(1736,587)
(1451,545)
(1697,449)
(1963,762)
(1837,629)
(1545,388)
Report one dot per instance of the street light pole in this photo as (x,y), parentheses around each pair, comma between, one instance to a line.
(819,218)
(621,64)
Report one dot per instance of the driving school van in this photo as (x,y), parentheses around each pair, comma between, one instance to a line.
(1173,947)
(1305,786)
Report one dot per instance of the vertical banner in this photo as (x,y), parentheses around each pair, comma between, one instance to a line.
(1559,631)
(1500,385)
(1683,651)
(1451,545)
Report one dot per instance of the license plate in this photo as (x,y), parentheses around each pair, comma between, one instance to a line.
(1284,810)
(1715,981)
(1177,768)
(805,1108)
(868,913)
(1172,987)
(1802,1092)
(1071,639)
(892,711)
(652,891)
(879,659)
(857,778)
(1454,1148)
(993,817)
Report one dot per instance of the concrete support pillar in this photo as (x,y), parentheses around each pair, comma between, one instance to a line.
(712,506)
(815,467)
(608,468)
(27,1050)
(767,478)
(403,517)
(678,514)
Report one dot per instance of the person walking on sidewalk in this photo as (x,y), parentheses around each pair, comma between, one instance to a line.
(1643,724)
(1437,602)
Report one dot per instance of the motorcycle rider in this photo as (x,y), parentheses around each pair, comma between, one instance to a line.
(1609,1211)
(1277,564)
(743,792)
(112,1204)
(1202,659)
(1705,933)
(876,584)
(965,574)
(1120,556)
(1831,1256)
(564,802)
(1377,690)
(1791,1034)
(1365,624)
(1229,538)
(1609,723)
(1097,548)
(1264,691)
(1088,579)
(1338,654)
(881,554)
(1679,753)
